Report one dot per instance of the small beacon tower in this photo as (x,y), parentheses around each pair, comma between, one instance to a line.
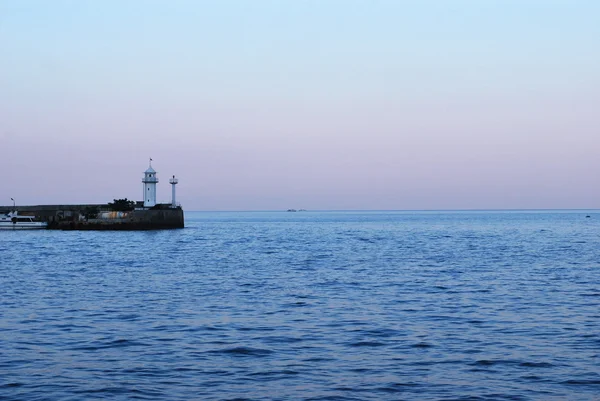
(150,182)
(173,181)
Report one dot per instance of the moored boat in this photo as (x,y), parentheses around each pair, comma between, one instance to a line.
(15,221)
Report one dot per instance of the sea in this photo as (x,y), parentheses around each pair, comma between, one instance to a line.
(431,305)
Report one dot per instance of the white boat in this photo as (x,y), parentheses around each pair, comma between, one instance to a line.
(14,221)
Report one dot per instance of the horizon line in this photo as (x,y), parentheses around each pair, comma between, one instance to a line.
(395,210)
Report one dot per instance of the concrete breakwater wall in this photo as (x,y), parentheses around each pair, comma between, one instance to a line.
(102,217)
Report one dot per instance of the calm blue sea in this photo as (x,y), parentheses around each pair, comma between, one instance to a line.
(307,306)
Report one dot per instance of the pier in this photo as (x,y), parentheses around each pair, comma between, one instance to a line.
(121,214)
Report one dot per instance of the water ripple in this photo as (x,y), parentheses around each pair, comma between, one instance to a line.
(307,306)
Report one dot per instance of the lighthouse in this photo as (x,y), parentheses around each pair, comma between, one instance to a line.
(150,182)
(173,181)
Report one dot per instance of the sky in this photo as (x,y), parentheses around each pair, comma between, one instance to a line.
(313,104)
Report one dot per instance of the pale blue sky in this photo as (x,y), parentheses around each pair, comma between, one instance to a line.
(307,104)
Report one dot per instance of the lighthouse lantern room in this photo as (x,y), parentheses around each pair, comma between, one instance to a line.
(150,182)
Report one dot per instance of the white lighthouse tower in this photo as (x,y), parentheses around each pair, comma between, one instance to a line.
(173,181)
(150,182)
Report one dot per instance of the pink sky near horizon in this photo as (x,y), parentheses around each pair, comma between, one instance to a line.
(333,106)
